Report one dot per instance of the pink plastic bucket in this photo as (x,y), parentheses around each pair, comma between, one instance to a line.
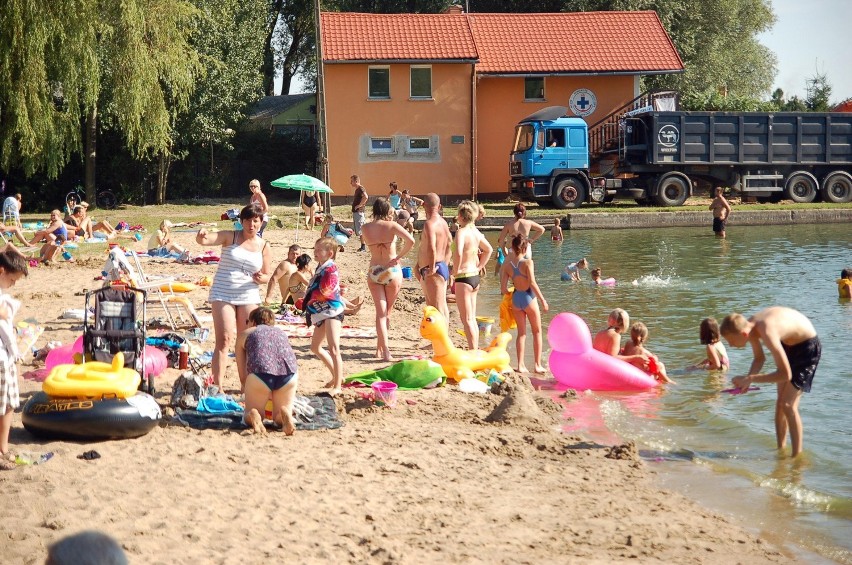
(384,393)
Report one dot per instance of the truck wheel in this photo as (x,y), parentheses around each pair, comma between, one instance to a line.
(672,190)
(569,193)
(801,187)
(837,188)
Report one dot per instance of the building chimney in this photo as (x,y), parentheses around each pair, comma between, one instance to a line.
(454,9)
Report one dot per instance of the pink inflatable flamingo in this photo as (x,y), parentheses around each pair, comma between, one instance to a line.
(576,364)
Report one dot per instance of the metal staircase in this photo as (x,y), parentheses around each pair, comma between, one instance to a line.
(607,136)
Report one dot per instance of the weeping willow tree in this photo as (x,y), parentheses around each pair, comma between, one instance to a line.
(69,66)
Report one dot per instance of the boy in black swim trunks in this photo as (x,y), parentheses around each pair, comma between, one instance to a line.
(792,340)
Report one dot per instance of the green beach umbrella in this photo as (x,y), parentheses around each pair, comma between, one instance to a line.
(301,183)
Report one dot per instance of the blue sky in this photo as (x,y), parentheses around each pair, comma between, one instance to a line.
(810,36)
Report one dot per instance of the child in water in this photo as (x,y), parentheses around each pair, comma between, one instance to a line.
(556,231)
(596,278)
(844,284)
(572,270)
(717,355)
(638,337)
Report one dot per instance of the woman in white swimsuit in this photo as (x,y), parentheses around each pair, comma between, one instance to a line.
(235,292)
(385,274)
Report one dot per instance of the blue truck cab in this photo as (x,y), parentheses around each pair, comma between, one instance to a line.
(550,158)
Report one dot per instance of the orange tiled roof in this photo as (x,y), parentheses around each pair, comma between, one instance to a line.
(395,37)
(608,42)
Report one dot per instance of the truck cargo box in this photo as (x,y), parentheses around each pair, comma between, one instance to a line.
(718,138)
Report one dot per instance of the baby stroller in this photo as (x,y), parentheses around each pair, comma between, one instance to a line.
(116,327)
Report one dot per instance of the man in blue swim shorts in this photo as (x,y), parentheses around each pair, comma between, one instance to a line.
(433,256)
(792,340)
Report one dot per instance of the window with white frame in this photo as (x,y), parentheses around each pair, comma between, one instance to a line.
(534,88)
(421,81)
(381,145)
(379,82)
(419,144)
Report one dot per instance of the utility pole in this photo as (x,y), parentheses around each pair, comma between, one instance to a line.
(322,157)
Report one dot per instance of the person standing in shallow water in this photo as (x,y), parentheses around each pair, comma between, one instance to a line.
(721,209)
(792,340)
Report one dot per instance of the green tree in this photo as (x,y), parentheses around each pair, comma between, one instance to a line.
(70,62)
(229,40)
(290,46)
(716,39)
(819,92)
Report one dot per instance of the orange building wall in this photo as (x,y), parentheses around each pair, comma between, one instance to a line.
(500,106)
(350,115)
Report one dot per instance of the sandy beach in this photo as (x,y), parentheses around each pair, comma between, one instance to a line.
(442,477)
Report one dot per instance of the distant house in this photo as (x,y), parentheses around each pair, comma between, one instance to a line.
(431,100)
(292,114)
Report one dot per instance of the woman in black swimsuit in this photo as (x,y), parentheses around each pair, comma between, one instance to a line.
(310,205)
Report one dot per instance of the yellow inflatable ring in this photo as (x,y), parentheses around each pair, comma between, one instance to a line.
(178,287)
(93,380)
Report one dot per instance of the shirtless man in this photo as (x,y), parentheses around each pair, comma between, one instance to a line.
(721,209)
(433,257)
(469,259)
(281,275)
(792,340)
(519,225)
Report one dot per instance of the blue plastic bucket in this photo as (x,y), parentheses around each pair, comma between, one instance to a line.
(407,273)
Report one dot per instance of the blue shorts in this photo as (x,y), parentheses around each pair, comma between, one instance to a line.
(274,382)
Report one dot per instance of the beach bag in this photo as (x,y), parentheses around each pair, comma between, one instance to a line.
(344,230)
(188,390)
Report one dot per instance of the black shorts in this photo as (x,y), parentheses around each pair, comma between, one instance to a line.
(719,225)
(803,358)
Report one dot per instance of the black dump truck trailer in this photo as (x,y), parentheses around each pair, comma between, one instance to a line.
(660,156)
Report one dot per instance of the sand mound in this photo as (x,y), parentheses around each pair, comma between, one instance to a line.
(519,405)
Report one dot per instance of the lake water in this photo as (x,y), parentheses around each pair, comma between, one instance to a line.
(716,447)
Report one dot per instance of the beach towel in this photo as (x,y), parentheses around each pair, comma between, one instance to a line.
(409,374)
(325,418)
(218,405)
(507,319)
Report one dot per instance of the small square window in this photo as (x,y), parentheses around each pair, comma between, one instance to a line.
(421,82)
(379,79)
(381,145)
(534,88)
(419,144)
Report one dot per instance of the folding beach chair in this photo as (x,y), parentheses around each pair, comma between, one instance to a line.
(26,251)
(118,325)
(177,308)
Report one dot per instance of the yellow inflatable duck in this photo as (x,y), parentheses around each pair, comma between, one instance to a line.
(93,380)
(457,363)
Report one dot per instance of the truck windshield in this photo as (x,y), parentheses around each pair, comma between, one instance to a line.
(524,138)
